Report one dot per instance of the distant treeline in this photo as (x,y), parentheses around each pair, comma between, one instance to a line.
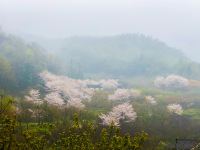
(126,55)
(20,63)
(82,57)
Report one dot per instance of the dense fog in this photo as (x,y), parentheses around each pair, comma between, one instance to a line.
(99,75)
(175,22)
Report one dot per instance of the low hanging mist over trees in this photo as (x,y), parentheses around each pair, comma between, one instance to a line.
(21,63)
(128,91)
(123,55)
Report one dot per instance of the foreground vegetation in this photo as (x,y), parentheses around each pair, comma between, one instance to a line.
(53,127)
(72,135)
(65,112)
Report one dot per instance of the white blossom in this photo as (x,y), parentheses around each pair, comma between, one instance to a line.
(122,112)
(159,82)
(151,100)
(54,98)
(71,91)
(76,103)
(175,108)
(171,81)
(65,89)
(109,119)
(109,84)
(124,94)
(34,97)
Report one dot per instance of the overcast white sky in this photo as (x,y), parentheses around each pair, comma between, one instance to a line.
(177,22)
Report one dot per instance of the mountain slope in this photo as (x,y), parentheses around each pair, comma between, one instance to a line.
(125,55)
(19,63)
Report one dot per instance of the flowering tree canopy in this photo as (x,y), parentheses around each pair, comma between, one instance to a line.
(54,98)
(151,100)
(124,94)
(120,112)
(175,108)
(34,96)
(171,81)
(64,90)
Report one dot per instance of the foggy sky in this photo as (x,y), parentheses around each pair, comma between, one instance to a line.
(176,22)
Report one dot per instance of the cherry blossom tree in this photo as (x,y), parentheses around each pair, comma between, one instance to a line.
(175,108)
(171,82)
(124,94)
(54,98)
(76,103)
(122,112)
(151,100)
(34,97)
(64,90)
(109,84)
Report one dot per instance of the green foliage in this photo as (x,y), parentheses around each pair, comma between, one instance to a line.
(6,73)
(20,63)
(76,135)
(161,146)
(125,55)
(82,136)
(7,132)
(6,105)
(192,112)
(111,139)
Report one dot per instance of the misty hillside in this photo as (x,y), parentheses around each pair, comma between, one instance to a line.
(99,75)
(113,56)
(125,55)
(20,63)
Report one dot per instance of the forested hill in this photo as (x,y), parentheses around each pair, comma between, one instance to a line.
(125,55)
(115,56)
(20,63)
